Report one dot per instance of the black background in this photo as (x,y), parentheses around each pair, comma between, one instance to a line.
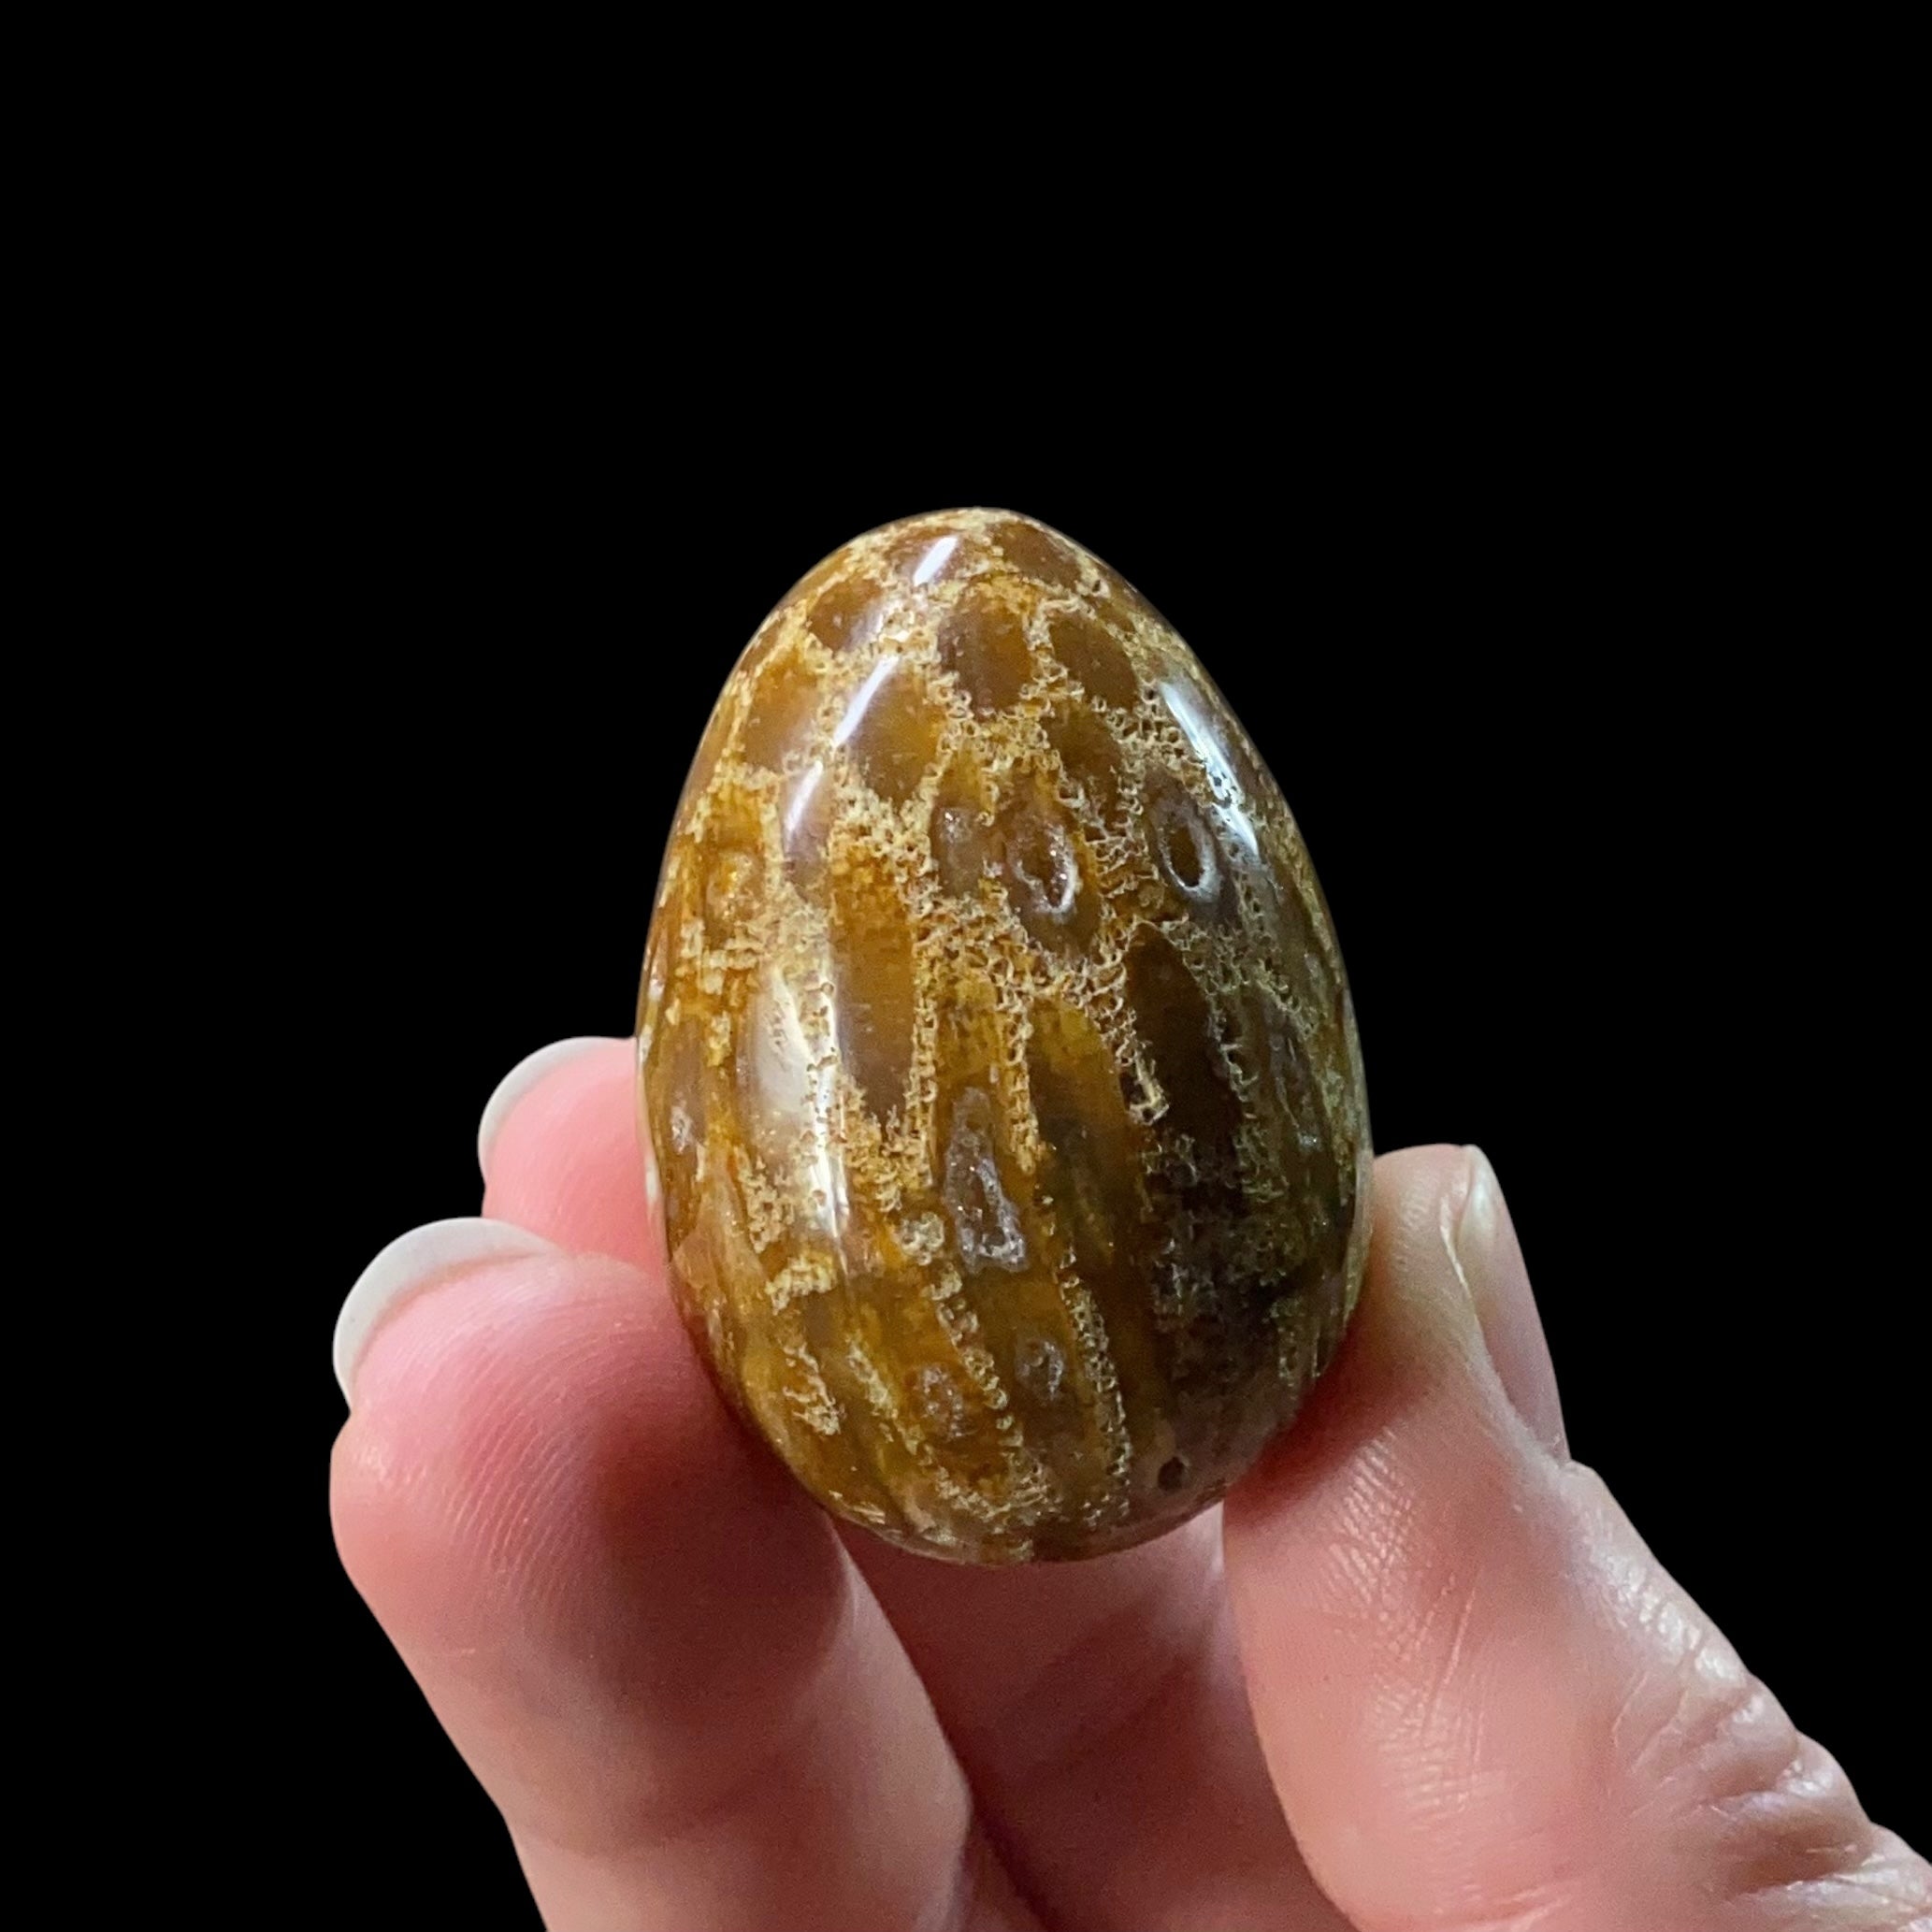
(1563,659)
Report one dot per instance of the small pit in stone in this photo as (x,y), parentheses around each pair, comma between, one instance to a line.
(1183,855)
(1183,846)
(1040,1366)
(1173,1472)
(1041,861)
(1046,883)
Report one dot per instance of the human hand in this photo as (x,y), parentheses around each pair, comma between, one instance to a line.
(1417,1655)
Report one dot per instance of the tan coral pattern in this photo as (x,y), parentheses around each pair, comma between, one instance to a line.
(997,1056)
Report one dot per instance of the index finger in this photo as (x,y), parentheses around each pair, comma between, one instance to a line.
(651,1651)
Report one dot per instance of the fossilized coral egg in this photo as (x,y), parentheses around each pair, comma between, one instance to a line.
(996,1055)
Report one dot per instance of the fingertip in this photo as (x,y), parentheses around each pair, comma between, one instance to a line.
(527,1074)
(1414,1337)
(409,1264)
(467,1370)
(529,1436)
(566,1158)
(1489,1259)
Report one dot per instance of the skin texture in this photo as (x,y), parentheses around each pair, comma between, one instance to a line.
(1417,1672)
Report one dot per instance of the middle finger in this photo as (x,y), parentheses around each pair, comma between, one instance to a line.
(1099,1709)
(1097,1706)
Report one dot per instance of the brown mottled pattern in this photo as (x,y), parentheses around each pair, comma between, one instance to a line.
(998,1055)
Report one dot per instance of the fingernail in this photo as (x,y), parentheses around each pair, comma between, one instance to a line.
(517,1082)
(408,1263)
(1482,1243)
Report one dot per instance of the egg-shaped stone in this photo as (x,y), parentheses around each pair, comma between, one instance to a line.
(996,1055)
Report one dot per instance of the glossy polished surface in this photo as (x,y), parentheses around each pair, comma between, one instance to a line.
(996,1054)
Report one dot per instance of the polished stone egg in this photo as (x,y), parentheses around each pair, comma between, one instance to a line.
(996,1054)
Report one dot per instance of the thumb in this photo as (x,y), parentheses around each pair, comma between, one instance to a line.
(1484,1703)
